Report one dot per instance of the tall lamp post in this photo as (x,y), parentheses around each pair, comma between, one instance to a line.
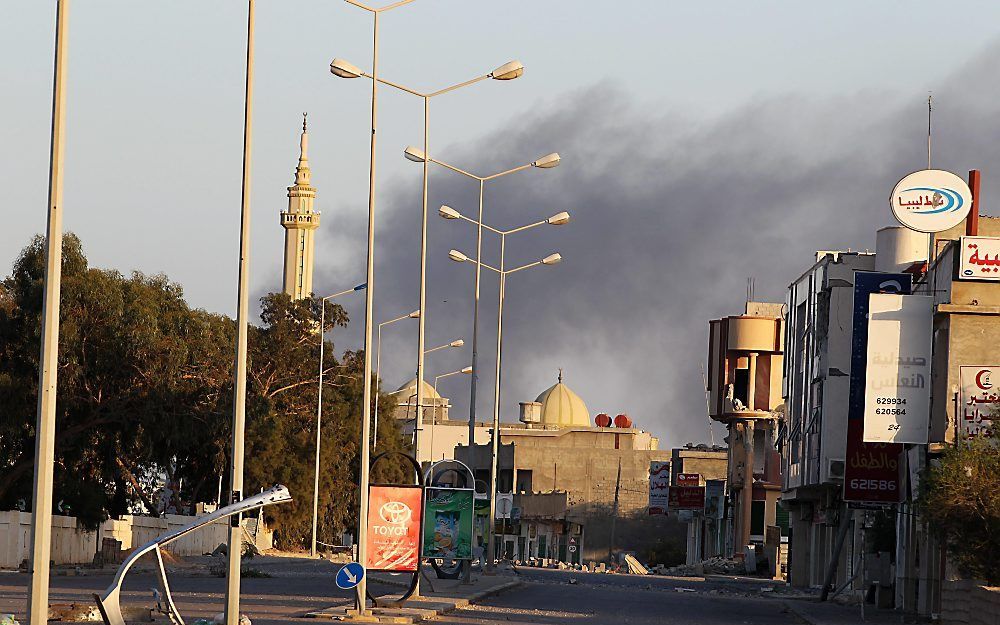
(420,156)
(457,256)
(507,71)
(366,407)
(319,406)
(235,544)
(48,368)
(378,366)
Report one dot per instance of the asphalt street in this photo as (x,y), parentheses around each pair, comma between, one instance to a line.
(551,597)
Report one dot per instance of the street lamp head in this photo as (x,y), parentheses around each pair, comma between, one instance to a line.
(508,71)
(449,213)
(467,370)
(414,315)
(457,256)
(414,154)
(362,286)
(548,161)
(343,69)
(457,343)
(552,259)
(559,219)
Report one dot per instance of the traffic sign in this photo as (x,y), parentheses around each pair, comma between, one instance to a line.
(350,575)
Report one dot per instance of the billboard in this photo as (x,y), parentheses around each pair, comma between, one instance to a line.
(448,523)
(868,473)
(898,379)
(980,400)
(689,479)
(687,498)
(393,531)
(930,200)
(979,258)
(659,485)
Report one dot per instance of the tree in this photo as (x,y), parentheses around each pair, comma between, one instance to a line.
(960,498)
(145,396)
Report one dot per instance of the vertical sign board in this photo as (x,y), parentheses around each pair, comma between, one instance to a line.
(898,366)
(979,258)
(448,523)
(715,498)
(871,474)
(980,400)
(659,487)
(393,532)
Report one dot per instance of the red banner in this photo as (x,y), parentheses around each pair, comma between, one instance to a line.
(393,536)
(687,498)
(872,471)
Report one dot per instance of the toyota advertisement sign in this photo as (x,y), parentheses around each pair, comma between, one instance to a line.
(394,524)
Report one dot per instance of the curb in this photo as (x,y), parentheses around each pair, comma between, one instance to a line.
(408,616)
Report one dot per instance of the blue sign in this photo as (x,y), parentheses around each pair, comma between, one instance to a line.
(350,575)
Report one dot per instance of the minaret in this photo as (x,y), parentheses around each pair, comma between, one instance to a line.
(300,222)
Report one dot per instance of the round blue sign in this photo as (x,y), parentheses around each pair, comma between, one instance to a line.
(350,575)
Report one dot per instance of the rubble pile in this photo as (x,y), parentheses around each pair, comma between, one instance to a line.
(712,566)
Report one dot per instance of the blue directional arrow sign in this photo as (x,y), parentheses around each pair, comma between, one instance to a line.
(350,575)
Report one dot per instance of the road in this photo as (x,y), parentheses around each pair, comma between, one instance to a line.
(549,598)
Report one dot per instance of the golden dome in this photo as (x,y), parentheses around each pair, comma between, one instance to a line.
(410,390)
(562,407)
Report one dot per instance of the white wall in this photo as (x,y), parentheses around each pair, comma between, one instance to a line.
(73,545)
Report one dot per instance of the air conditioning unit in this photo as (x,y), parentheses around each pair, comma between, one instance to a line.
(835,468)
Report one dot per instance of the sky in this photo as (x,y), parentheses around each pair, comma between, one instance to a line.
(702,144)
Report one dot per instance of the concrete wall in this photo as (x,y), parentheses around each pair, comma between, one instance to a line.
(965,602)
(73,545)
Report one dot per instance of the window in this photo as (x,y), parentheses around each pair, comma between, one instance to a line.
(524,481)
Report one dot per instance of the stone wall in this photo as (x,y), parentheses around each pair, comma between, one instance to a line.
(71,544)
(967,602)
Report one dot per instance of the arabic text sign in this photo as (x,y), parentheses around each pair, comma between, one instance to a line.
(687,497)
(979,258)
(930,200)
(869,476)
(393,532)
(659,485)
(980,400)
(448,523)
(688,479)
(898,372)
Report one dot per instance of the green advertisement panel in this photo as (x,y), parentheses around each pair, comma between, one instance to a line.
(448,523)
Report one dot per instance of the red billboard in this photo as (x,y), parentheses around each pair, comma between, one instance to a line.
(872,471)
(686,498)
(393,534)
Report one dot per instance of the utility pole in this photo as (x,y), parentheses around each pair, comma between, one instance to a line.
(614,512)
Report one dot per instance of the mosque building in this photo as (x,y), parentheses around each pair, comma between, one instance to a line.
(567,475)
(300,222)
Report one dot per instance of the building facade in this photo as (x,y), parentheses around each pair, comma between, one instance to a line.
(300,222)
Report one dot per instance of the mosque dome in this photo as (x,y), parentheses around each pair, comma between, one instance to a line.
(410,388)
(562,407)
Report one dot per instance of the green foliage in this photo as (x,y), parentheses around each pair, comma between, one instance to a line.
(145,392)
(960,497)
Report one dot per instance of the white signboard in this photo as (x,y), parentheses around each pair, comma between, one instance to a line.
(980,400)
(979,258)
(897,385)
(659,487)
(931,200)
(505,505)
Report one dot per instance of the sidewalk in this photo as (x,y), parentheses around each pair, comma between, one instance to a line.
(446,596)
(828,613)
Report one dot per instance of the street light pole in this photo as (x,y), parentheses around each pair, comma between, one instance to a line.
(366,408)
(45,428)
(378,367)
(434,417)
(319,408)
(235,544)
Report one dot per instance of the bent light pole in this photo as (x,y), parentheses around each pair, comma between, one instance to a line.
(378,367)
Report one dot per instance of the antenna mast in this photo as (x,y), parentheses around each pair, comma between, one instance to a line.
(930,108)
